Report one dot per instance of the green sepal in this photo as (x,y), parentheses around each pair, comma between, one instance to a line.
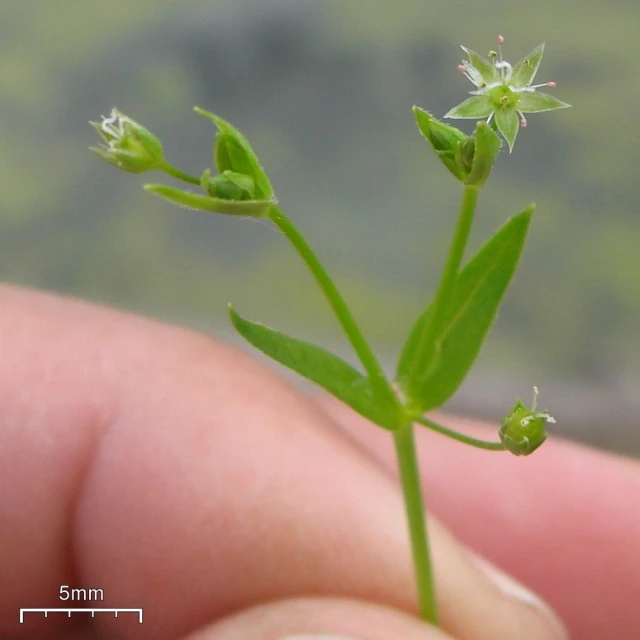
(485,68)
(190,200)
(476,296)
(525,70)
(318,365)
(448,142)
(232,152)
(530,102)
(508,123)
(486,150)
(472,108)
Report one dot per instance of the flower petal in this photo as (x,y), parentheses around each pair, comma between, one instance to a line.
(508,124)
(525,71)
(484,67)
(474,108)
(532,102)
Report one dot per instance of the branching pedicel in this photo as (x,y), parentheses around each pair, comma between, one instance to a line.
(447,336)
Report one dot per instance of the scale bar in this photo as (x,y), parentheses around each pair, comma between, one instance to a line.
(70,611)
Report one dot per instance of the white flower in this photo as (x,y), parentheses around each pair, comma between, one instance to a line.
(504,93)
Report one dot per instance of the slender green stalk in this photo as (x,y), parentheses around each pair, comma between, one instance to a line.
(474,442)
(337,303)
(416,518)
(180,175)
(427,344)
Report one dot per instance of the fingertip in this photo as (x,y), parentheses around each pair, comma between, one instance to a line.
(319,619)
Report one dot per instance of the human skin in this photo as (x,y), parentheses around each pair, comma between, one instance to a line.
(181,475)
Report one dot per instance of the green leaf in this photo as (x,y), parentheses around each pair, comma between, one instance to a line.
(474,303)
(508,124)
(318,365)
(472,108)
(190,200)
(525,70)
(233,152)
(534,102)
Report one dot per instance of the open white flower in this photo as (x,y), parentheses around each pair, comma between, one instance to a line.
(504,93)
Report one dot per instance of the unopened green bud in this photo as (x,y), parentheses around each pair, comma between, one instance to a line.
(467,153)
(230,186)
(128,145)
(241,187)
(447,142)
(232,152)
(524,430)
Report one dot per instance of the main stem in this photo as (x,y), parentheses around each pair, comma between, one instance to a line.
(403,436)
(416,518)
(337,303)
(427,344)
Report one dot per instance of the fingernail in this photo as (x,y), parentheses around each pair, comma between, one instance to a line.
(508,586)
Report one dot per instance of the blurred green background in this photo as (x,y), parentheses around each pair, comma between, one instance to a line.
(324,90)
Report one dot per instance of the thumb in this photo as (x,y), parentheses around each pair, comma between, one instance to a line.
(319,619)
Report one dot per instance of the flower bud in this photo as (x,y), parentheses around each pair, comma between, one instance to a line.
(241,187)
(447,142)
(229,186)
(524,430)
(129,146)
(232,152)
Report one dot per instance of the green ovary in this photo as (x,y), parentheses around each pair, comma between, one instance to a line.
(503,98)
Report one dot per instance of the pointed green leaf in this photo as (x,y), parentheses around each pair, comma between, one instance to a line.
(477,294)
(472,108)
(233,152)
(484,67)
(535,101)
(190,200)
(525,70)
(508,124)
(318,365)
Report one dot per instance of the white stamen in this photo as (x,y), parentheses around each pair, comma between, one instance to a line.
(113,125)
(534,403)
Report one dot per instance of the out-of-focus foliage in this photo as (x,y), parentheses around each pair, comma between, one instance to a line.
(324,91)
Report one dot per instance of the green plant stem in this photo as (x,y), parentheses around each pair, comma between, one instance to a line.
(416,518)
(180,175)
(427,345)
(481,444)
(337,303)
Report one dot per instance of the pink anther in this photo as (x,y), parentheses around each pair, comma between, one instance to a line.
(500,40)
(551,85)
(462,68)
